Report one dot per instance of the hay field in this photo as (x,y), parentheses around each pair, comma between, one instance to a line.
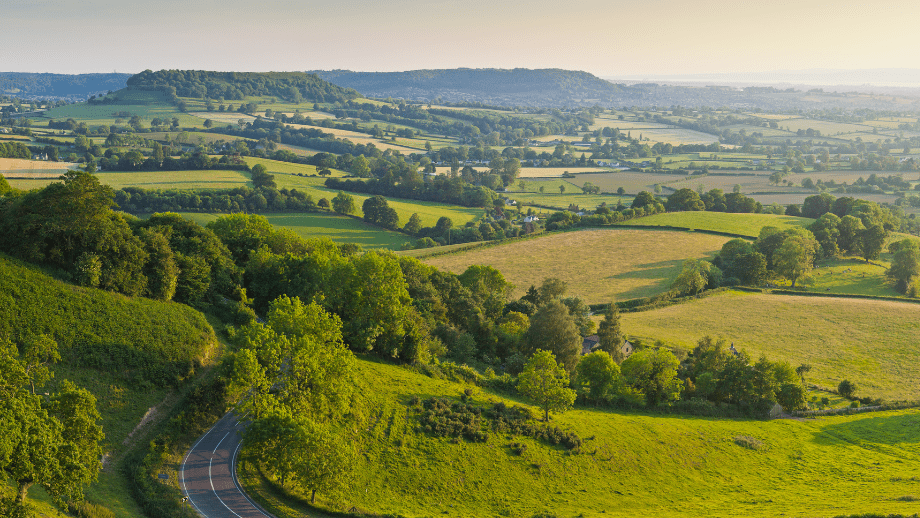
(598,265)
(33,169)
(873,343)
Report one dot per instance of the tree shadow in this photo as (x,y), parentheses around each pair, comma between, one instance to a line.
(661,272)
(881,430)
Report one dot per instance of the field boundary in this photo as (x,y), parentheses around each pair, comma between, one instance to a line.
(768,291)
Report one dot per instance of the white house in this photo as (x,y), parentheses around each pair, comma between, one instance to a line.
(531,219)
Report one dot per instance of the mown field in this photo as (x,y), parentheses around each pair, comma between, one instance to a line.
(743,224)
(873,343)
(598,265)
(632,464)
(342,229)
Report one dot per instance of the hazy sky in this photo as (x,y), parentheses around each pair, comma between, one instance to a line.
(605,37)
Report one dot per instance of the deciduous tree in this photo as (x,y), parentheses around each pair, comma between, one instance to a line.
(546,383)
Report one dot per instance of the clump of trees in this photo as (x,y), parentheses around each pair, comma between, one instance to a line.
(51,442)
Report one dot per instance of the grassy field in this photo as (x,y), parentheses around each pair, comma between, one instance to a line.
(632,465)
(341,229)
(872,343)
(598,265)
(540,172)
(743,224)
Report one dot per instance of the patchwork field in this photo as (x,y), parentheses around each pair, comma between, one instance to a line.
(743,224)
(540,172)
(598,265)
(816,467)
(872,343)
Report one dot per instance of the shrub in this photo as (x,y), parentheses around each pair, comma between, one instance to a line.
(847,389)
(746,441)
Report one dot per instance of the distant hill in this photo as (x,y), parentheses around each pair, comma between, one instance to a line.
(291,86)
(503,87)
(72,87)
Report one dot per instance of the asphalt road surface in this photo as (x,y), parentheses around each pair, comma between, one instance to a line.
(208,474)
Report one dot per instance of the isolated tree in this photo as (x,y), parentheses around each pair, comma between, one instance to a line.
(654,373)
(847,389)
(643,199)
(597,377)
(546,383)
(871,242)
(552,328)
(696,276)
(343,203)
(802,370)
(561,188)
(378,212)
(208,123)
(609,334)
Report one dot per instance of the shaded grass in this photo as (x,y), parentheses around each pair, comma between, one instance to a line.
(870,342)
(599,265)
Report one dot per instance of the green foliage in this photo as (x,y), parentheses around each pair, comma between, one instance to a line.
(52,443)
(685,200)
(597,377)
(553,329)
(654,373)
(300,350)
(378,212)
(546,383)
(905,265)
(695,277)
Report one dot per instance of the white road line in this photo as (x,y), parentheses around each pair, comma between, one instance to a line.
(218,444)
(215,491)
(237,484)
(184,487)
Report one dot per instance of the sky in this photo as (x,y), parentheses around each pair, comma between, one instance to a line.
(609,38)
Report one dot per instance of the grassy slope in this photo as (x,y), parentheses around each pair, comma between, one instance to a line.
(870,342)
(599,265)
(633,465)
(30,300)
(744,224)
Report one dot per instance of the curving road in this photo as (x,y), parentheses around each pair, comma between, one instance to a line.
(208,473)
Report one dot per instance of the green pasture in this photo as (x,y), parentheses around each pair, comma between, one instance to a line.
(870,342)
(743,224)
(600,265)
(631,465)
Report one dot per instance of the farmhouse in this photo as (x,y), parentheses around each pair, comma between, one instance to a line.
(590,342)
(531,219)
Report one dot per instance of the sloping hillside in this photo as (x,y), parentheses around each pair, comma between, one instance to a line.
(515,87)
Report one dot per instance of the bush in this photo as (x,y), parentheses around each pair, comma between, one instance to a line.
(746,441)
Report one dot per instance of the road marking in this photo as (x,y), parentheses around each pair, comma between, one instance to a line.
(184,487)
(215,491)
(237,484)
(218,444)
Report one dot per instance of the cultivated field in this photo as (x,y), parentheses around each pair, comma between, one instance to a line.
(224,117)
(870,342)
(598,265)
(743,224)
(815,467)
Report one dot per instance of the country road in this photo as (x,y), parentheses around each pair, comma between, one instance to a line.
(208,474)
